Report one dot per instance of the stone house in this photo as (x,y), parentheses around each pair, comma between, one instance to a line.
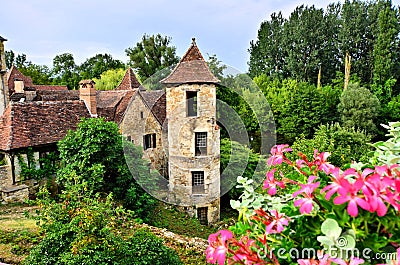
(176,126)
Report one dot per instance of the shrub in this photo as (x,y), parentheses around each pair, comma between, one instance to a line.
(239,160)
(346,145)
(359,108)
(94,154)
(144,248)
(388,152)
(82,230)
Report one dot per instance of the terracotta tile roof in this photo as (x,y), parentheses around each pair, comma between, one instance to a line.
(112,104)
(57,95)
(123,105)
(14,73)
(38,123)
(192,68)
(129,81)
(156,102)
(49,87)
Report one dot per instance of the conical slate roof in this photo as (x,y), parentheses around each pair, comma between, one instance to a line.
(192,68)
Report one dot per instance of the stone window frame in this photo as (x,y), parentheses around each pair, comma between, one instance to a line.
(149,141)
(198,182)
(202,215)
(200,143)
(192,103)
(142,115)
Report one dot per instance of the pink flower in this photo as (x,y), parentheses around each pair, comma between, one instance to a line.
(276,225)
(277,154)
(216,251)
(273,221)
(322,163)
(270,183)
(306,203)
(348,192)
(335,185)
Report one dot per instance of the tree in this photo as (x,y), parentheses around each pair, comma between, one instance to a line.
(98,64)
(94,155)
(65,71)
(215,66)
(151,54)
(40,74)
(356,37)
(10,59)
(358,108)
(267,53)
(109,79)
(305,40)
(386,51)
(298,107)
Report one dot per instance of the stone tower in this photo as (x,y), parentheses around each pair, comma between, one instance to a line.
(193,137)
(3,89)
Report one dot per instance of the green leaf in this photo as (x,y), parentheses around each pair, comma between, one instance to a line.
(346,242)
(325,241)
(331,228)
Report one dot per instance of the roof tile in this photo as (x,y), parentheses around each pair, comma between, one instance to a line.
(192,68)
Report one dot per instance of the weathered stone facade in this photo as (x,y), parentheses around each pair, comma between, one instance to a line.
(176,126)
(140,121)
(182,157)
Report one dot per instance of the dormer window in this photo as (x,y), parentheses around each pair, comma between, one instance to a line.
(191,99)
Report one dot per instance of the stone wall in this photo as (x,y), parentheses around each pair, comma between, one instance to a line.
(18,193)
(136,127)
(5,176)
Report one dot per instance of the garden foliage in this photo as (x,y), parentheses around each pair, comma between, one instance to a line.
(316,213)
(93,153)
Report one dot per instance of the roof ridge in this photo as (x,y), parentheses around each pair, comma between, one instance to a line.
(131,78)
(147,105)
(193,53)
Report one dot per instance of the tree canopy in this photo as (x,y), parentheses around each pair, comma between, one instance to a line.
(312,38)
(152,54)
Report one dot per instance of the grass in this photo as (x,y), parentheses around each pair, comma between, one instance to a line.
(168,217)
(18,234)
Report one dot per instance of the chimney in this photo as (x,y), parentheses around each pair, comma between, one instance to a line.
(30,93)
(87,93)
(18,86)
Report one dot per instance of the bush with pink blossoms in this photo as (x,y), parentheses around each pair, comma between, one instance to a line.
(332,216)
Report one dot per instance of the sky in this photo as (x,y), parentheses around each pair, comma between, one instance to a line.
(42,29)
